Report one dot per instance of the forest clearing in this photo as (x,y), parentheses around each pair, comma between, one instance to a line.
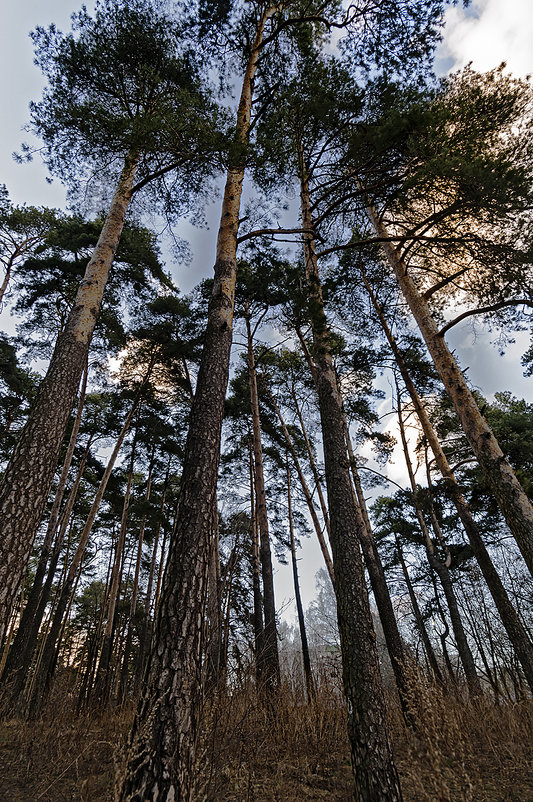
(268,538)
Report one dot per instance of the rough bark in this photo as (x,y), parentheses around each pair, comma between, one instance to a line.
(51,644)
(215,662)
(375,775)
(30,620)
(507,490)
(308,674)
(270,671)
(511,620)
(30,471)
(163,750)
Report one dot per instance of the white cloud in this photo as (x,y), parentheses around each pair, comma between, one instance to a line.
(489,32)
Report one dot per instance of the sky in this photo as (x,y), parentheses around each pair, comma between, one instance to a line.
(486,34)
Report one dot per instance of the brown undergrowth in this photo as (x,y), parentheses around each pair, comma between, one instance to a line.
(269,749)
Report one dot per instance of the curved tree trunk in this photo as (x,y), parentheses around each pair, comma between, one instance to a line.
(30,471)
(513,502)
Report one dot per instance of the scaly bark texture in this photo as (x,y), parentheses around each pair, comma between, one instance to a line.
(51,646)
(511,620)
(507,490)
(162,757)
(30,471)
(375,775)
(24,642)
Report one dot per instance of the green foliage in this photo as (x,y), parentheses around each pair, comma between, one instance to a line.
(125,81)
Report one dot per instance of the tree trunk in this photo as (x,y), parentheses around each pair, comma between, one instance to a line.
(256,572)
(419,621)
(441,569)
(508,492)
(135,590)
(139,668)
(163,752)
(312,463)
(375,775)
(308,674)
(215,662)
(30,471)
(20,669)
(509,616)
(30,621)
(103,684)
(47,663)
(270,671)
(380,589)
(306,492)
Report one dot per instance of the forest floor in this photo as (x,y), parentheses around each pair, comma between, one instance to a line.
(478,752)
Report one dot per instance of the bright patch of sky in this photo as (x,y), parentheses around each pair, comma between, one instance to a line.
(487,33)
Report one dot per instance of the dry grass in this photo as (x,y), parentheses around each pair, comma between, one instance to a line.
(291,751)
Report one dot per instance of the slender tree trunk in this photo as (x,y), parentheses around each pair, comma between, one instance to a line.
(419,621)
(270,671)
(47,663)
(163,751)
(20,663)
(139,668)
(511,620)
(103,684)
(441,569)
(135,590)
(256,572)
(508,492)
(306,492)
(215,663)
(375,775)
(23,641)
(312,463)
(380,589)
(29,474)
(308,674)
